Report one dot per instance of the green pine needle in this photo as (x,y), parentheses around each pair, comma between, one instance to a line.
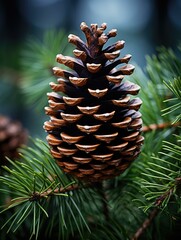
(31,184)
(38,59)
(159,180)
(175,87)
(163,68)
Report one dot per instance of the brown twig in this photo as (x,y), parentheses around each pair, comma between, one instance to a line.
(146,224)
(104,197)
(148,221)
(36,195)
(60,190)
(152,127)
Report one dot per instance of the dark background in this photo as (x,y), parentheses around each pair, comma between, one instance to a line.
(143,24)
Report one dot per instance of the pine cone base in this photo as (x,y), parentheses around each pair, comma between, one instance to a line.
(95,127)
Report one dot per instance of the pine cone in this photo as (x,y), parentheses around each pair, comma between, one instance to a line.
(95,127)
(12,136)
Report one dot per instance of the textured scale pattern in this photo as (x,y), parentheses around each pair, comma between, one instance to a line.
(95,127)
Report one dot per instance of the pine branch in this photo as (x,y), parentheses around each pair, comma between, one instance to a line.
(155,211)
(104,198)
(160,79)
(51,192)
(175,87)
(153,127)
(163,185)
(145,224)
(31,182)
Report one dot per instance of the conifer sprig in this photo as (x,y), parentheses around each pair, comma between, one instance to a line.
(38,59)
(31,184)
(175,102)
(161,177)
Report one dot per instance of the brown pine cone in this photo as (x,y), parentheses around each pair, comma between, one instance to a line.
(12,136)
(95,127)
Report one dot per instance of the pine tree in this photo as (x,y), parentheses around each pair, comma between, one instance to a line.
(40,201)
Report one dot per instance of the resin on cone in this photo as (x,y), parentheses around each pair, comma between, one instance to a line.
(95,127)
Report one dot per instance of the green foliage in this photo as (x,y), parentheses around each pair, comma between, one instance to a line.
(159,174)
(110,230)
(152,96)
(38,59)
(158,168)
(30,184)
(41,202)
(175,102)
(165,67)
(159,180)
